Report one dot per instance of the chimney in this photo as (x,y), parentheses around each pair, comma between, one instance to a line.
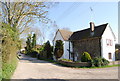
(92,25)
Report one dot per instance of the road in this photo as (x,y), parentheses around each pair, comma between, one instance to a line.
(31,68)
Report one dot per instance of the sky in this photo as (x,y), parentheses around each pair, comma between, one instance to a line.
(77,16)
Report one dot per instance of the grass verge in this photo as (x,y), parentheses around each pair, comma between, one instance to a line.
(8,69)
(55,62)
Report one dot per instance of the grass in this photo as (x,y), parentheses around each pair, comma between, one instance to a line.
(117,65)
(8,69)
(55,62)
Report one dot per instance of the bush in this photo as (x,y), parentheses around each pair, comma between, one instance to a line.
(85,57)
(68,60)
(10,45)
(98,62)
(46,51)
(117,55)
(59,50)
(34,54)
(105,62)
(49,49)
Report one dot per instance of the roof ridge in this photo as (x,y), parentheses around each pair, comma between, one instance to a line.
(64,30)
(89,27)
(85,33)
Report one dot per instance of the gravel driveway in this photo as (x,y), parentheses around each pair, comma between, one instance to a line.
(31,68)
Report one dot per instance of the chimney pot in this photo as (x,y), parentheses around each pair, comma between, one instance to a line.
(92,26)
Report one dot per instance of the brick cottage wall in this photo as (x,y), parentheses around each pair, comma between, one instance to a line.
(91,46)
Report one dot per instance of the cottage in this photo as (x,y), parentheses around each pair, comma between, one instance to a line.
(99,41)
(64,35)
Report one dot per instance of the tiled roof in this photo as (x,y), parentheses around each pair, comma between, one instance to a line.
(65,34)
(86,33)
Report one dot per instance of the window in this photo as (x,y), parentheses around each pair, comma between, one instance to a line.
(109,42)
(110,55)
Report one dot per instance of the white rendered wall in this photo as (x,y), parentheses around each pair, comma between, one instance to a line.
(66,45)
(105,49)
(66,48)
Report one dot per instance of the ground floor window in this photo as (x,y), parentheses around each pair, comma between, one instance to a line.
(110,55)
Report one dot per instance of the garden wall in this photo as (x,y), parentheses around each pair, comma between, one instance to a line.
(81,64)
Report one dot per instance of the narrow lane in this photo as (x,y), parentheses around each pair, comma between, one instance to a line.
(31,68)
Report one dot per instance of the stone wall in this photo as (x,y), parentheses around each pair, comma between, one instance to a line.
(92,46)
(80,64)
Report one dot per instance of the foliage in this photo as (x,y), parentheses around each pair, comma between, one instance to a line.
(20,15)
(30,45)
(34,40)
(9,32)
(10,46)
(68,60)
(85,57)
(46,51)
(48,48)
(8,69)
(98,62)
(117,55)
(58,52)
(105,62)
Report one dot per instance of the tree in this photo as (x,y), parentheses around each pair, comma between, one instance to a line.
(48,49)
(20,15)
(9,43)
(31,44)
(34,40)
(58,52)
(28,44)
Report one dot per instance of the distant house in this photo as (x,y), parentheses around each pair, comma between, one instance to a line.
(99,41)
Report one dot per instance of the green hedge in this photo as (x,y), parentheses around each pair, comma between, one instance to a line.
(8,69)
(10,46)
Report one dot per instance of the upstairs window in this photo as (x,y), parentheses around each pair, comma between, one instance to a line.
(109,42)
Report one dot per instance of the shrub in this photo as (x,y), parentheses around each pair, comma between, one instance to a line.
(68,60)
(10,44)
(98,62)
(85,57)
(46,51)
(117,55)
(49,49)
(34,52)
(105,62)
(58,52)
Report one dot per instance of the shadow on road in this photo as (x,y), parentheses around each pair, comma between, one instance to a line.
(60,80)
(28,59)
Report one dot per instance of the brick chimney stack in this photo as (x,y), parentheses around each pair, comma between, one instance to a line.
(92,26)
